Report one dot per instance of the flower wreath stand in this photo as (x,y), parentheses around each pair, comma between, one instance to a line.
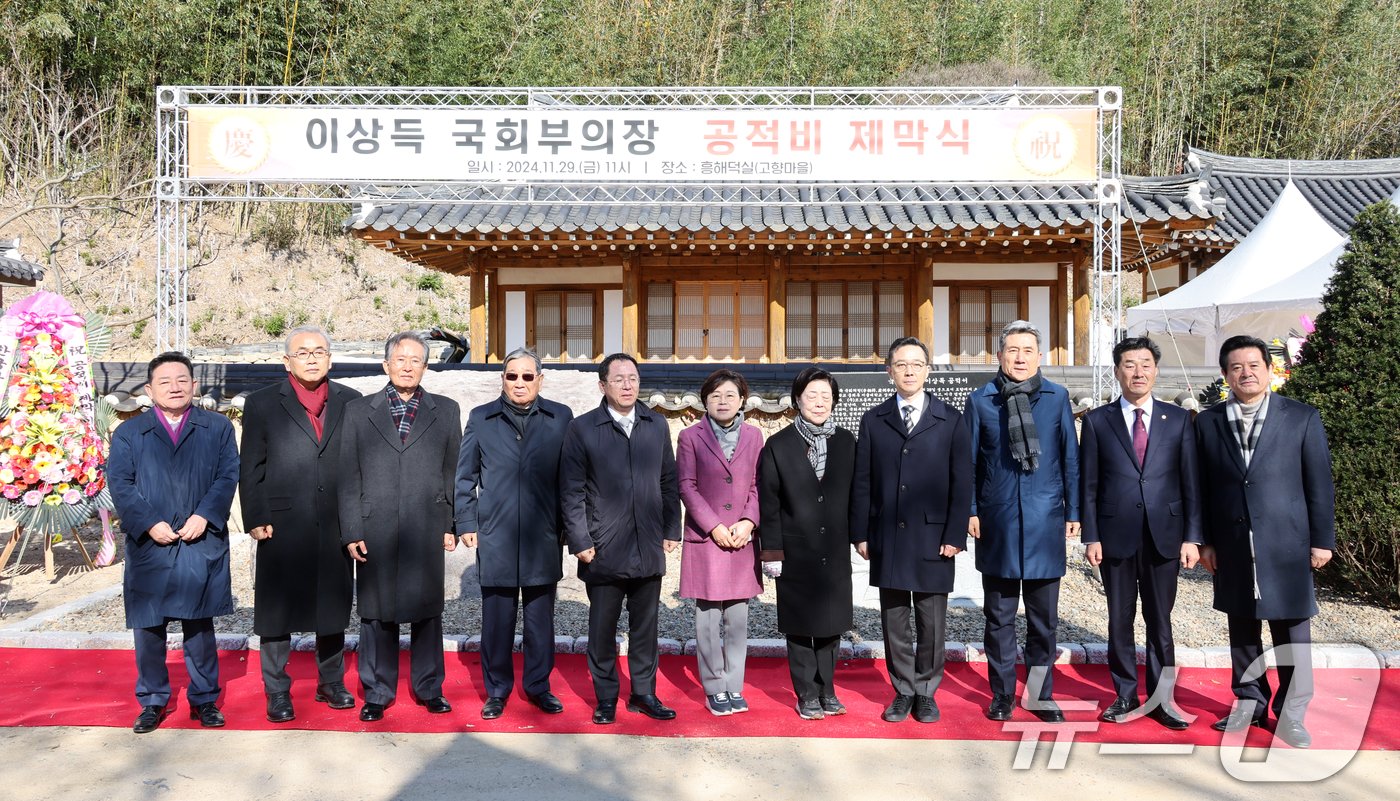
(53,431)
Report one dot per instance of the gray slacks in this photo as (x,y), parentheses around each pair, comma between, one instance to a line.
(914,655)
(721,644)
(274,653)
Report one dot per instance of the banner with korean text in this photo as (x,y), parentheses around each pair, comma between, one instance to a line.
(586,145)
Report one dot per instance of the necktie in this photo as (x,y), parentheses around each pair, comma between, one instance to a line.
(908,418)
(626,423)
(1139,437)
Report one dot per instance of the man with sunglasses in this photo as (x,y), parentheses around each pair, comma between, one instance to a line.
(508,509)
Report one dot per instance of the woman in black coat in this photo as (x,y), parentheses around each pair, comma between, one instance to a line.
(804,488)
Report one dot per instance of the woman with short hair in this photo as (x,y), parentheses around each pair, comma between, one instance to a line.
(717,465)
(804,491)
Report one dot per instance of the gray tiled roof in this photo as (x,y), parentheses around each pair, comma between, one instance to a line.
(14,268)
(1338,190)
(1162,199)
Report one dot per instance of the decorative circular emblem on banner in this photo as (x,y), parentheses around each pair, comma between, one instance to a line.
(1046,144)
(238,143)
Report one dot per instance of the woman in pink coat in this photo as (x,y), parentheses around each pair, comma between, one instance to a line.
(717,463)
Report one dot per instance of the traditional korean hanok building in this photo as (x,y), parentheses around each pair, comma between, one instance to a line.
(15,270)
(827,281)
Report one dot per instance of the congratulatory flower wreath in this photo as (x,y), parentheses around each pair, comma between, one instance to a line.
(53,433)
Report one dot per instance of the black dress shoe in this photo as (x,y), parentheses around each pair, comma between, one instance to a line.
(925,710)
(547,702)
(1293,733)
(149,719)
(898,709)
(436,706)
(1000,708)
(279,708)
(1237,720)
(605,712)
(1119,710)
(493,708)
(650,706)
(335,696)
(1168,718)
(1048,712)
(371,712)
(208,715)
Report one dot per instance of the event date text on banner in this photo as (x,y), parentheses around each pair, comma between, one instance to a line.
(509,144)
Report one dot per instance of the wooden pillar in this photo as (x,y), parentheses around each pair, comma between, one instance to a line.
(631,289)
(495,318)
(777,307)
(476,297)
(923,300)
(1082,308)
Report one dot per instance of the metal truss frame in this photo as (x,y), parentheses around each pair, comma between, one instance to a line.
(1101,198)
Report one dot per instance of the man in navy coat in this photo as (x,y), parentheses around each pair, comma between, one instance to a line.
(1026,502)
(172,472)
(1142,523)
(508,509)
(622,515)
(910,501)
(1266,488)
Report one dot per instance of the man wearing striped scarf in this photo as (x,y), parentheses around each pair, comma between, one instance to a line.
(1266,482)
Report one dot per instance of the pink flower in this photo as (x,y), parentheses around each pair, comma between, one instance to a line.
(72,496)
(11,491)
(33,498)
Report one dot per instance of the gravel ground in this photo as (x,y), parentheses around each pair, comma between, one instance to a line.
(1082,615)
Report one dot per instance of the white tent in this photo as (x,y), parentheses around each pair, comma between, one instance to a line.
(1290,237)
(1278,307)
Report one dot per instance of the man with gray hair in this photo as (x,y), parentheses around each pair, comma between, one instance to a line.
(399,464)
(508,508)
(288,485)
(1025,503)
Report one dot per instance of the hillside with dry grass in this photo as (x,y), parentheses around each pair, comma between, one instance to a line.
(257,271)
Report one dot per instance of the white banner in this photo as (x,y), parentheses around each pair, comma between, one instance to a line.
(506,144)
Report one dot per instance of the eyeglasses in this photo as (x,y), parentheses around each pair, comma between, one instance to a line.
(411,361)
(723,396)
(909,366)
(307,355)
(625,380)
(526,377)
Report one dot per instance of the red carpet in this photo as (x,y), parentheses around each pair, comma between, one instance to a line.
(94,688)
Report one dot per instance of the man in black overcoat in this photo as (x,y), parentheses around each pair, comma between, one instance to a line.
(622,515)
(288,486)
(910,502)
(1140,496)
(1266,489)
(508,509)
(399,468)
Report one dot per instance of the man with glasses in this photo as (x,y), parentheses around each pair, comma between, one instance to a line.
(508,509)
(399,466)
(288,487)
(622,516)
(173,471)
(910,500)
